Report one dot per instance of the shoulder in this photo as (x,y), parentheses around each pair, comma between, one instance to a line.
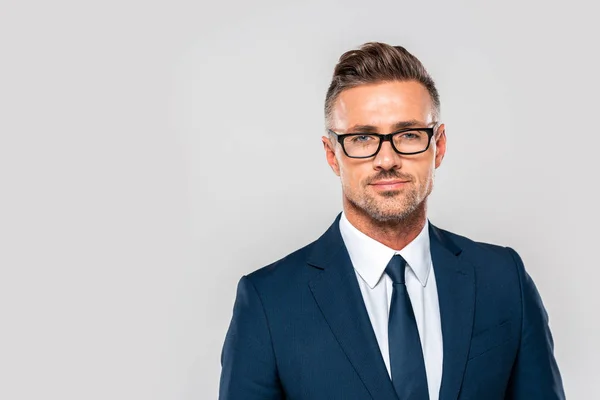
(485,257)
(284,273)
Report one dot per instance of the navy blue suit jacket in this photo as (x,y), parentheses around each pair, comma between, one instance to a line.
(300,329)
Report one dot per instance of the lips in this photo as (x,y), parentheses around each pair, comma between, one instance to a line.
(393,184)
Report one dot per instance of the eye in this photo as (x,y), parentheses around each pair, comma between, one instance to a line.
(362,138)
(412,135)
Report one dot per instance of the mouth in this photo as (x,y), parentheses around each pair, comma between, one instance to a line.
(394,184)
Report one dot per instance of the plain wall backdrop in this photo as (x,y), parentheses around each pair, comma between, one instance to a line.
(153,152)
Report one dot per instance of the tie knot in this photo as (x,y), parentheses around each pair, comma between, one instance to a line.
(395,269)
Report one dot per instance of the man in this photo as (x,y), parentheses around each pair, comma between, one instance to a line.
(384,305)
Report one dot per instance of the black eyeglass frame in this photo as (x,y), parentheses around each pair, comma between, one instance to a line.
(382,138)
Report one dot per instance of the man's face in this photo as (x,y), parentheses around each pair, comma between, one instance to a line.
(388,186)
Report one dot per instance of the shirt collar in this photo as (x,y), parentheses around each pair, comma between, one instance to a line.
(370,257)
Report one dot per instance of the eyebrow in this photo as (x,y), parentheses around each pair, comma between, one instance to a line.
(396,127)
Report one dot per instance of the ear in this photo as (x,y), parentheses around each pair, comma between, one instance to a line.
(329,148)
(440,145)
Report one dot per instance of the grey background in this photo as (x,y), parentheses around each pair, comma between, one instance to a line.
(153,152)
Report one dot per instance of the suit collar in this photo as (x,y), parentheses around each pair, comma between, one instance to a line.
(331,241)
(441,238)
(325,247)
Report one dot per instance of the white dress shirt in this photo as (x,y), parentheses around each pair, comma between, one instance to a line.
(369,258)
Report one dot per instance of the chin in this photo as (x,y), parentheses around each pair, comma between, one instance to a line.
(388,218)
(388,206)
(390,193)
(387,214)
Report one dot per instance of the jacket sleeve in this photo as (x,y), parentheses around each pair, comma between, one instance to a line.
(535,374)
(248,370)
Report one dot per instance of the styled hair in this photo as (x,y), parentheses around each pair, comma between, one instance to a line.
(376,62)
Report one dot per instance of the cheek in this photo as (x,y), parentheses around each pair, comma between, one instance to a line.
(351,176)
(423,172)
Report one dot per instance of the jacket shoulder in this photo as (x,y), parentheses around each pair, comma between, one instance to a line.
(474,248)
(284,269)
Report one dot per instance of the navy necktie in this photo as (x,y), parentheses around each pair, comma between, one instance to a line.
(406,356)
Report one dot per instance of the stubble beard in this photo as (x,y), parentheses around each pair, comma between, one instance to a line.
(389,207)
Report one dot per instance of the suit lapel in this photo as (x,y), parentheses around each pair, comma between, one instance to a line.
(338,296)
(456,294)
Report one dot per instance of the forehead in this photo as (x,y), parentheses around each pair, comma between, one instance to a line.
(382,105)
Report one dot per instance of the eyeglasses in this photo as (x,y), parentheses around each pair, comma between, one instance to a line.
(405,141)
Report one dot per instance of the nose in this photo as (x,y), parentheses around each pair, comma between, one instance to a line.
(387,158)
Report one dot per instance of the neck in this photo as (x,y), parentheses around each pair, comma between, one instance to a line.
(394,233)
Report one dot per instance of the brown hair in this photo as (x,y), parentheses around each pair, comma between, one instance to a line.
(377,62)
